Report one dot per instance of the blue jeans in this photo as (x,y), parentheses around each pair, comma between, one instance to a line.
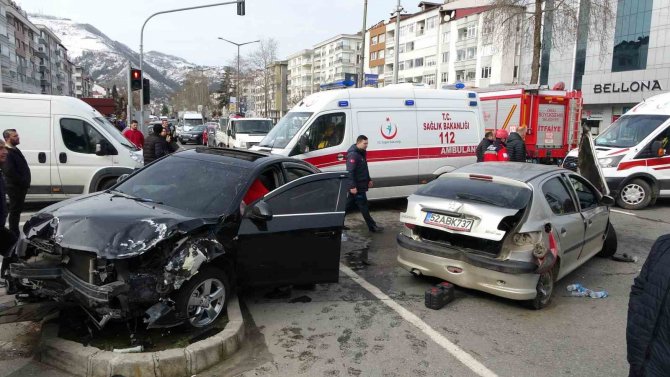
(360,200)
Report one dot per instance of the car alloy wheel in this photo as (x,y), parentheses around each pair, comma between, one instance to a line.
(633,194)
(206,302)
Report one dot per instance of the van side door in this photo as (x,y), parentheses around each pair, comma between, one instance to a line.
(76,140)
(325,142)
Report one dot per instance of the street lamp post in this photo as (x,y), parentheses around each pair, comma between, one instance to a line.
(142,41)
(238,68)
(396,54)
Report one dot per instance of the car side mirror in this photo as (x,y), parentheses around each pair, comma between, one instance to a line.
(261,211)
(122,178)
(607,200)
(657,148)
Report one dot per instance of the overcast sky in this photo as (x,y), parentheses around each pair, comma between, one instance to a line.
(295,24)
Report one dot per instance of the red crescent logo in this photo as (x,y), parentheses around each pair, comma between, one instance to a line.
(381,131)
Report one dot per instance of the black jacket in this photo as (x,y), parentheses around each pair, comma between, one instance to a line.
(16,170)
(357,167)
(155,147)
(648,328)
(3,203)
(516,148)
(481,148)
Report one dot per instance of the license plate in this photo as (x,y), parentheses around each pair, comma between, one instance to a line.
(449,222)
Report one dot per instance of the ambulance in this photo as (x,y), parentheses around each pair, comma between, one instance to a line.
(415,134)
(634,154)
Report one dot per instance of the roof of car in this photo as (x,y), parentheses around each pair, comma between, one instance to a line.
(518,171)
(237,157)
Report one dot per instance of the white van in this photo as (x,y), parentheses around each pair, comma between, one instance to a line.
(414,134)
(634,154)
(70,147)
(242,133)
(192,119)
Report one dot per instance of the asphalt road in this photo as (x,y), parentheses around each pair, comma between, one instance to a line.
(374,323)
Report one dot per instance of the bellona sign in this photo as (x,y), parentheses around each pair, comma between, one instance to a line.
(623,87)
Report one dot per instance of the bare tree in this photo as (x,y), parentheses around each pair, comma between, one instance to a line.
(553,22)
(194,92)
(260,60)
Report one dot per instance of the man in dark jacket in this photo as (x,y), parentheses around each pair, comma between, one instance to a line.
(17,179)
(359,181)
(155,145)
(483,145)
(516,146)
(648,328)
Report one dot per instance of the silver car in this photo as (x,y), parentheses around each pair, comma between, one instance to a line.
(509,229)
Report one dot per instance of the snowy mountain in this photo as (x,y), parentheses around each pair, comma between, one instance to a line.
(107,59)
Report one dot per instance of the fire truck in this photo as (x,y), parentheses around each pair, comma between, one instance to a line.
(553,118)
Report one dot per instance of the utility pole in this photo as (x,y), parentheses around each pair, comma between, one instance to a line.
(129,109)
(397,42)
(361,78)
(237,87)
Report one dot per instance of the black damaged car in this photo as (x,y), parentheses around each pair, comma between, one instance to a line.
(169,242)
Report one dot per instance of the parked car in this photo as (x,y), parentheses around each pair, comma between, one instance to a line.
(509,229)
(170,241)
(194,135)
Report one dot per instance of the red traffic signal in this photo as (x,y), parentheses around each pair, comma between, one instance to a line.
(135,79)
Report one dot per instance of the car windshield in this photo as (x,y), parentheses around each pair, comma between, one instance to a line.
(285,130)
(115,133)
(252,126)
(629,130)
(192,122)
(478,191)
(201,187)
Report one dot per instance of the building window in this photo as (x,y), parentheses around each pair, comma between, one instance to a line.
(486,72)
(445,37)
(631,35)
(380,54)
(374,40)
(382,38)
(462,33)
(409,64)
(472,30)
(373,55)
(444,77)
(516,71)
(403,30)
(409,46)
(431,23)
(488,28)
(429,79)
(470,75)
(460,55)
(471,53)
(445,57)
(418,62)
(401,66)
(460,75)
(431,61)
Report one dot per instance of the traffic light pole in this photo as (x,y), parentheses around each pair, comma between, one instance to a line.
(240,8)
(129,97)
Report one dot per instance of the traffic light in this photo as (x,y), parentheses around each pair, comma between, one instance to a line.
(145,91)
(135,79)
(240,8)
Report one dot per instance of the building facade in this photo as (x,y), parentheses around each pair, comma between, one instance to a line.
(335,57)
(20,74)
(300,74)
(376,42)
(82,82)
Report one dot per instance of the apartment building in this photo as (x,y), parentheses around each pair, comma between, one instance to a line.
(276,95)
(82,82)
(19,63)
(300,74)
(375,39)
(335,57)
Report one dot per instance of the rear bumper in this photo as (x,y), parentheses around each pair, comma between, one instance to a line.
(509,279)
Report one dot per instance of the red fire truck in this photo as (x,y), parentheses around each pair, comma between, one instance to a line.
(553,119)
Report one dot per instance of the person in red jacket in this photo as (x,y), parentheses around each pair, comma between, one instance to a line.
(134,135)
(497,151)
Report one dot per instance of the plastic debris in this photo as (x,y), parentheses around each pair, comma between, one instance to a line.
(438,296)
(624,258)
(129,350)
(578,290)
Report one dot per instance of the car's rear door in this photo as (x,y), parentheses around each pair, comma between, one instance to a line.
(595,215)
(301,243)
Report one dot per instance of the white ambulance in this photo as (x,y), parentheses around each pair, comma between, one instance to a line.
(415,134)
(634,154)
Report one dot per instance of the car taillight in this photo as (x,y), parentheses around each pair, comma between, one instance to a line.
(553,246)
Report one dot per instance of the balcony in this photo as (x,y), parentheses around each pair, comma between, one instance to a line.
(41,52)
(43,69)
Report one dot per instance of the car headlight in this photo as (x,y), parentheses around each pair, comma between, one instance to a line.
(610,162)
(137,157)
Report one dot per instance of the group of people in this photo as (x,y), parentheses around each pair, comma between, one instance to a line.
(504,147)
(158,144)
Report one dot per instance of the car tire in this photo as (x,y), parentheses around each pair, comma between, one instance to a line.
(545,291)
(611,243)
(106,184)
(635,194)
(197,287)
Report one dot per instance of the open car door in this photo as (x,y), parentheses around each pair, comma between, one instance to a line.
(293,234)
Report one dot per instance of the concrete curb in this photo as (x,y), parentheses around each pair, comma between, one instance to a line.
(83,361)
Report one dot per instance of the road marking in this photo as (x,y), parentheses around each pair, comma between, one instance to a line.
(623,212)
(410,317)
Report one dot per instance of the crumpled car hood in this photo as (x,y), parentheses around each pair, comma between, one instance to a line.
(112,227)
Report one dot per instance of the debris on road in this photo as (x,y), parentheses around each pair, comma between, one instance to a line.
(129,350)
(624,258)
(577,290)
(440,295)
(303,299)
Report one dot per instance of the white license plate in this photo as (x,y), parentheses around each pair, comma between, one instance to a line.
(449,222)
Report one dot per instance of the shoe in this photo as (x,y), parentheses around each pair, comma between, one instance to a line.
(377,229)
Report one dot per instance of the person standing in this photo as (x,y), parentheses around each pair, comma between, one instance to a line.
(483,145)
(156,145)
(648,324)
(516,146)
(497,151)
(17,178)
(134,135)
(359,181)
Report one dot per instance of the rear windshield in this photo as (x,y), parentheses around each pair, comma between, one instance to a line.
(477,191)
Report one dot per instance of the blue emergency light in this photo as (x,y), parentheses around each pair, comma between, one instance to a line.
(472,95)
(409,102)
(473,103)
(343,103)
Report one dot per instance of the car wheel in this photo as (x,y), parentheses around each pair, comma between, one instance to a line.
(611,243)
(636,194)
(203,298)
(106,184)
(545,291)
